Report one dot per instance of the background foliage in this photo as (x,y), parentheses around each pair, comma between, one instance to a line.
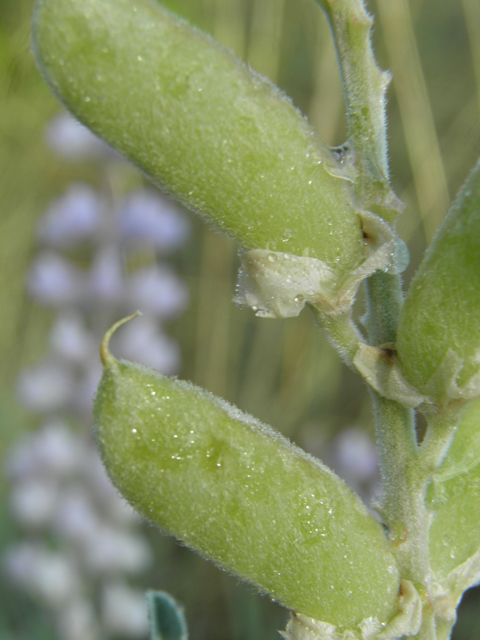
(283,372)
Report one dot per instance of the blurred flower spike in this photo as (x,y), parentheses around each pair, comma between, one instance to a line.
(80,537)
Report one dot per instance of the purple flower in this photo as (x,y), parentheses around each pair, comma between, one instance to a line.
(33,502)
(124,611)
(143,342)
(47,387)
(106,280)
(147,216)
(50,576)
(54,281)
(70,340)
(112,551)
(71,140)
(72,218)
(157,290)
(86,386)
(75,519)
(52,450)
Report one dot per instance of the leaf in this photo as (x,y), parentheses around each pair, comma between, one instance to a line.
(242,495)
(218,136)
(438,339)
(167,620)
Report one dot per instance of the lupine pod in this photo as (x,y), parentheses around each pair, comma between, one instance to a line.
(438,339)
(218,136)
(243,495)
(454,497)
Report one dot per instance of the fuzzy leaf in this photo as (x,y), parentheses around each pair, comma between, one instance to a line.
(167,620)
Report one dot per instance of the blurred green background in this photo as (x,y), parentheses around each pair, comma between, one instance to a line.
(283,372)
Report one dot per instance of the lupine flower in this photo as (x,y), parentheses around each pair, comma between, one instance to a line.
(72,141)
(59,489)
(72,218)
(145,217)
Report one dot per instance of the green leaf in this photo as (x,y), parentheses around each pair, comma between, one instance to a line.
(167,620)
(222,139)
(454,497)
(242,495)
(438,340)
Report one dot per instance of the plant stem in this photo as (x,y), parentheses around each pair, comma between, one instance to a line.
(365,86)
(364,82)
(341,332)
(384,303)
(403,507)
(405,468)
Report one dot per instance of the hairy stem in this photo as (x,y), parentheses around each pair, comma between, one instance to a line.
(341,332)
(406,470)
(403,506)
(365,86)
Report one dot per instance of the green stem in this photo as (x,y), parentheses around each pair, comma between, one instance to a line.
(365,85)
(406,468)
(384,303)
(341,332)
(403,492)
(403,506)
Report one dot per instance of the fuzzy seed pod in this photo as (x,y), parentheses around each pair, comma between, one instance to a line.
(438,339)
(454,499)
(215,134)
(242,495)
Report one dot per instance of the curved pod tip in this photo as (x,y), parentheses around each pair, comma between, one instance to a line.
(105,355)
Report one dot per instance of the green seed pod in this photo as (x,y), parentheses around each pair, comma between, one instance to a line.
(242,495)
(454,499)
(438,339)
(212,132)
